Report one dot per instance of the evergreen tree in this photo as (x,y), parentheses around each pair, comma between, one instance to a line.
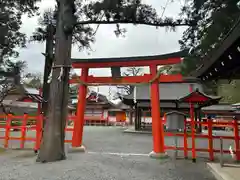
(11,12)
(213,21)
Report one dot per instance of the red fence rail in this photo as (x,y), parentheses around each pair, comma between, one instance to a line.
(23,124)
(209,136)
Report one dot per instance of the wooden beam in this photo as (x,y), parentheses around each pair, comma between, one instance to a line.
(89,64)
(128,79)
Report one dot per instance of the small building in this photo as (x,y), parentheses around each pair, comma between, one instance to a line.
(24,100)
(221,109)
(21,100)
(99,108)
(119,113)
(170,94)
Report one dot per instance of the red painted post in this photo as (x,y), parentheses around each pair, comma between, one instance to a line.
(192,127)
(79,121)
(157,125)
(236,139)
(39,128)
(210,140)
(23,130)
(185,140)
(7,130)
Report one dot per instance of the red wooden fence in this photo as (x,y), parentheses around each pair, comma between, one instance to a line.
(209,136)
(24,126)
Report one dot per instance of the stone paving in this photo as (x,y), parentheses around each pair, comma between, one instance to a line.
(111,155)
(227,172)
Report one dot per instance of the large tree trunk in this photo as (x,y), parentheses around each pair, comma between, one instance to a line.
(48,66)
(52,146)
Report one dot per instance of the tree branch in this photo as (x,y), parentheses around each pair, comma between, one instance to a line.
(156,24)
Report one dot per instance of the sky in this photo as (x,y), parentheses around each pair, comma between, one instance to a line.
(138,41)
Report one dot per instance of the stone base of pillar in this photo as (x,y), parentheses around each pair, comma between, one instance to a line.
(77,149)
(158,155)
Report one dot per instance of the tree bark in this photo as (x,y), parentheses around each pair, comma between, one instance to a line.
(48,66)
(52,145)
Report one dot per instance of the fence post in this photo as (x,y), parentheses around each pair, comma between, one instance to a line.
(221,152)
(23,130)
(7,130)
(210,139)
(176,146)
(185,139)
(193,133)
(39,126)
(236,138)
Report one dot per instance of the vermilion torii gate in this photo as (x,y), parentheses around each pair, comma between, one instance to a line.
(154,78)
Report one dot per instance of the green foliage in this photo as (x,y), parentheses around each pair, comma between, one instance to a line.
(16,67)
(34,80)
(214,19)
(10,23)
(106,12)
(229,91)
(83,36)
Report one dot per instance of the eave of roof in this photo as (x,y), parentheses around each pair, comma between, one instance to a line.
(218,108)
(216,53)
(201,94)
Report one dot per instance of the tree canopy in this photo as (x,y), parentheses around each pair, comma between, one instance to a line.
(107,12)
(214,19)
(10,23)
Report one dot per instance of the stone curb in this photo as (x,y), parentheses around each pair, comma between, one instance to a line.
(136,132)
(218,173)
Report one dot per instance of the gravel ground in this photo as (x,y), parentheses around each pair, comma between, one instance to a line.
(111,155)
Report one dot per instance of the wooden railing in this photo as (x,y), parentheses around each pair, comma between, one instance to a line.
(209,136)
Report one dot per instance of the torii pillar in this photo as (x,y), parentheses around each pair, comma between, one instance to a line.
(79,121)
(157,125)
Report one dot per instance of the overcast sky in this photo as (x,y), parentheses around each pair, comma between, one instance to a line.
(139,40)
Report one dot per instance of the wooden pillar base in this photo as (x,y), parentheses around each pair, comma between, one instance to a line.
(77,149)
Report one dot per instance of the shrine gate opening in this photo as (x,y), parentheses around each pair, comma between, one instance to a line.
(154,78)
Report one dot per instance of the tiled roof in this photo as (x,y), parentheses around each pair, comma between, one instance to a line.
(167,91)
(196,92)
(219,107)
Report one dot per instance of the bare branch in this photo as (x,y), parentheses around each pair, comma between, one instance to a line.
(155,24)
